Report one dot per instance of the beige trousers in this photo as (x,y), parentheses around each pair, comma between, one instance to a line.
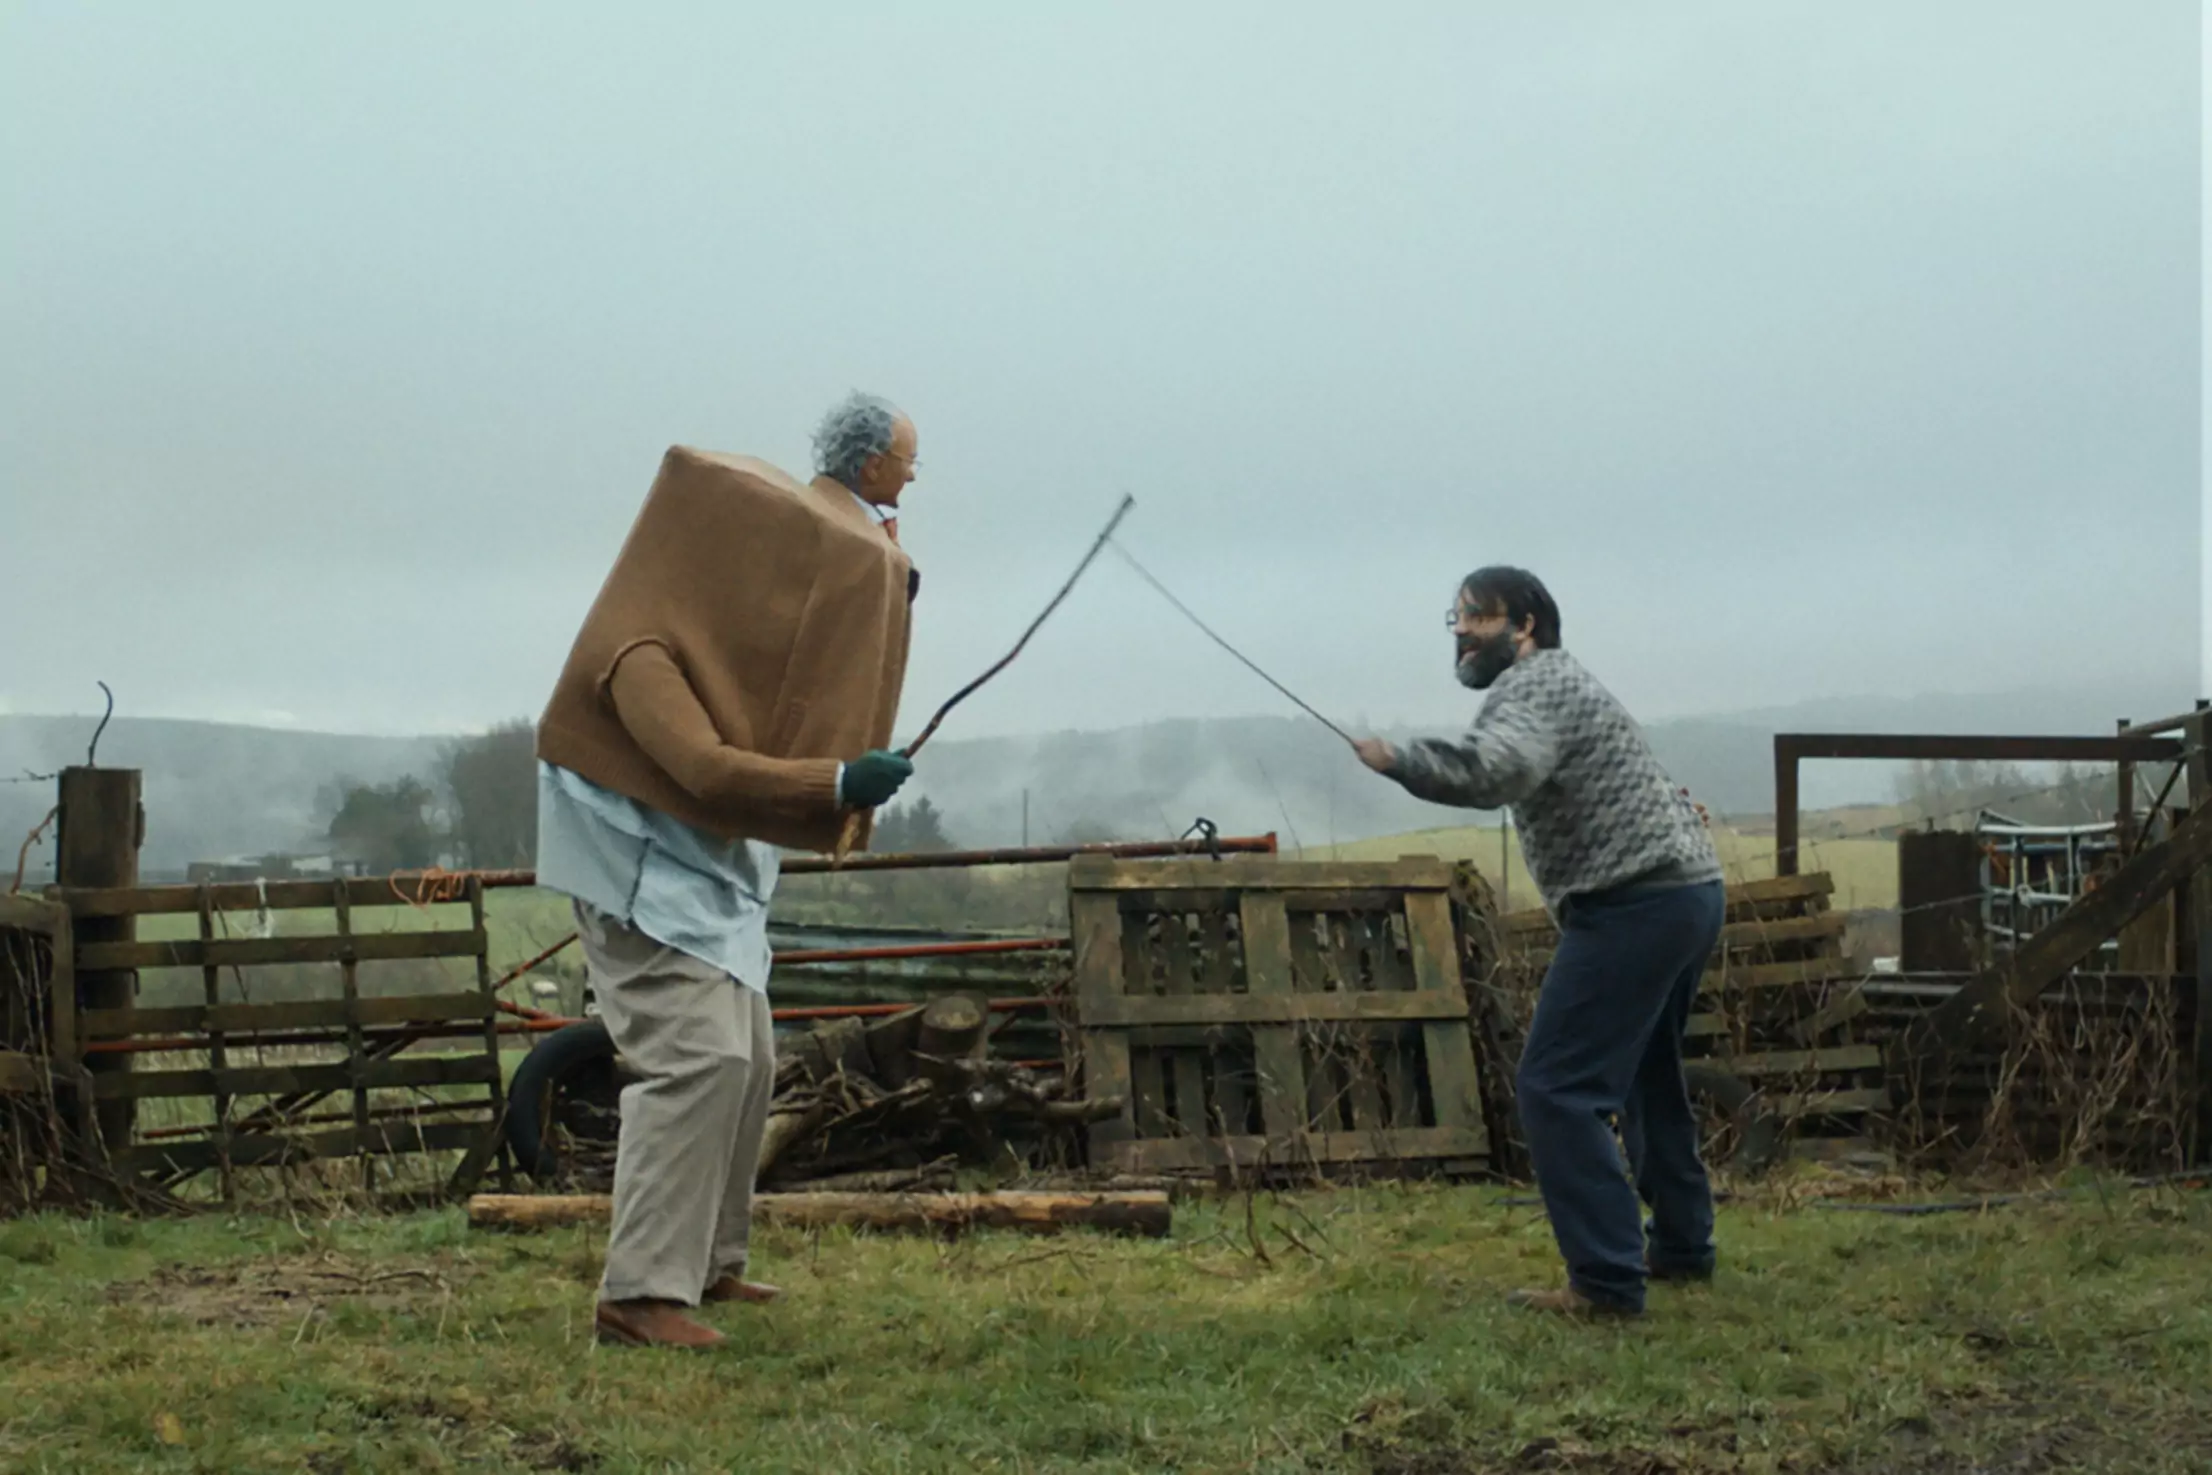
(704,1048)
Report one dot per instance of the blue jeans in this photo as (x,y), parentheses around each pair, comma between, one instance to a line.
(1607,1041)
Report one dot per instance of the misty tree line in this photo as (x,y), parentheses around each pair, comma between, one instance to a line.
(480,809)
(1952,794)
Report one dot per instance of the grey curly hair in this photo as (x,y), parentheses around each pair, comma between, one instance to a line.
(856,429)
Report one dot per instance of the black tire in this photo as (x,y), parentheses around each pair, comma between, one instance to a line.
(573,1050)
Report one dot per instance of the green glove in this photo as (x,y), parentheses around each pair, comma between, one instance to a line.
(872,778)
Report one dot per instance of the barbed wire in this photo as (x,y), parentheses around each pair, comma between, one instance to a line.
(1894,827)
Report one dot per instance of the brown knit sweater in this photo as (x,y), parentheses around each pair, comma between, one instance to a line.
(751,636)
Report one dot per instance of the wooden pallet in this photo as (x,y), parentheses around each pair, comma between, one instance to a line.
(1256,1013)
(262,1067)
(38,1015)
(1781,1007)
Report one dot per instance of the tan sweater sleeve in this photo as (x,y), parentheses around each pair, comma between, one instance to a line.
(663,714)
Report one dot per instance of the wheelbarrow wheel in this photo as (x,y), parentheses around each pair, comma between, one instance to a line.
(569,1057)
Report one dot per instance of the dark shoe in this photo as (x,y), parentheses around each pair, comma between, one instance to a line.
(730,1288)
(653,1324)
(1702,1274)
(1570,1302)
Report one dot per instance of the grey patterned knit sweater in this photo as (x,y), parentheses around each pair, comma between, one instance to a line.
(1593,806)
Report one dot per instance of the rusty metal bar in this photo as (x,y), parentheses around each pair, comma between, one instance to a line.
(442,888)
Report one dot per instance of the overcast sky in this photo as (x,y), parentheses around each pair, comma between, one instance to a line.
(1804,349)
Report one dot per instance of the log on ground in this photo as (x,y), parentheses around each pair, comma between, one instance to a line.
(1135,1213)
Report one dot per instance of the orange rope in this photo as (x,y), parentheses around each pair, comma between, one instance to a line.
(432,887)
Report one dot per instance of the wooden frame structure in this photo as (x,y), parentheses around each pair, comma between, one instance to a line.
(34,1038)
(347,1046)
(1269,1015)
(1779,1006)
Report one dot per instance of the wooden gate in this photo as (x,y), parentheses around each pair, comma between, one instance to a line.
(240,1074)
(1261,1013)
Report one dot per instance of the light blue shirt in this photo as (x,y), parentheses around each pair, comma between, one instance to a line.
(685,889)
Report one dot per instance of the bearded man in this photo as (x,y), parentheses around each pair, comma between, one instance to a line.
(1628,871)
(731,693)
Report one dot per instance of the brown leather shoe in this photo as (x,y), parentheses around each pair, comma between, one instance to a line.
(730,1288)
(653,1324)
(1568,1301)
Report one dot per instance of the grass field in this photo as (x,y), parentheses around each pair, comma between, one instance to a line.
(1864,870)
(1368,1337)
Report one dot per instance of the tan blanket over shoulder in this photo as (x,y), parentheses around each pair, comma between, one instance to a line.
(751,636)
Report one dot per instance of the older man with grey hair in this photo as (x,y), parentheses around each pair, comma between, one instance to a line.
(730,695)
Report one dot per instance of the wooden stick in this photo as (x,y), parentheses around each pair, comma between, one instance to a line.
(851,829)
(1147,1213)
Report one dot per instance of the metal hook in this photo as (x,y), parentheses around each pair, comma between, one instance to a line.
(1210,831)
(91,753)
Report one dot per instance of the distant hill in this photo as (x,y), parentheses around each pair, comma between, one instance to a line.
(212,789)
(216,790)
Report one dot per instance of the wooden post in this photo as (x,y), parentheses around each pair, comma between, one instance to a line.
(2199,903)
(1785,809)
(2125,817)
(102,825)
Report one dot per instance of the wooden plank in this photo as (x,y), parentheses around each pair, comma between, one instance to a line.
(1398,1050)
(1144,1212)
(1182,1070)
(1143,975)
(249,1019)
(1446,1041)
(1851,1006)
(263,1149)
(471,1170)
(29,914)
(1779,975)
(1228,1071)
(1095,925)
(1238,872)
(1267,1010)
(21,1074)
(1979,1010)
(2199,769)
(61,1002)
(1832,1103)
(1267,969)
(1737,937)
(256,952)
(1744,899)
(218,1054)
(249,896)
(1354,944)
(270,1080)
(1186,1154)
(100,826)
(1704,1026)
(357,1053)
(1791,1062)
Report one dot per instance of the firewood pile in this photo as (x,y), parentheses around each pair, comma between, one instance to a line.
(879,1104)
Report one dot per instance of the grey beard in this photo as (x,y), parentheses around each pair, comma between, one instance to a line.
(1486,662)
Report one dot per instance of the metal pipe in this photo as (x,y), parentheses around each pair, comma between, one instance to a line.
(439,888)
(925,950)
